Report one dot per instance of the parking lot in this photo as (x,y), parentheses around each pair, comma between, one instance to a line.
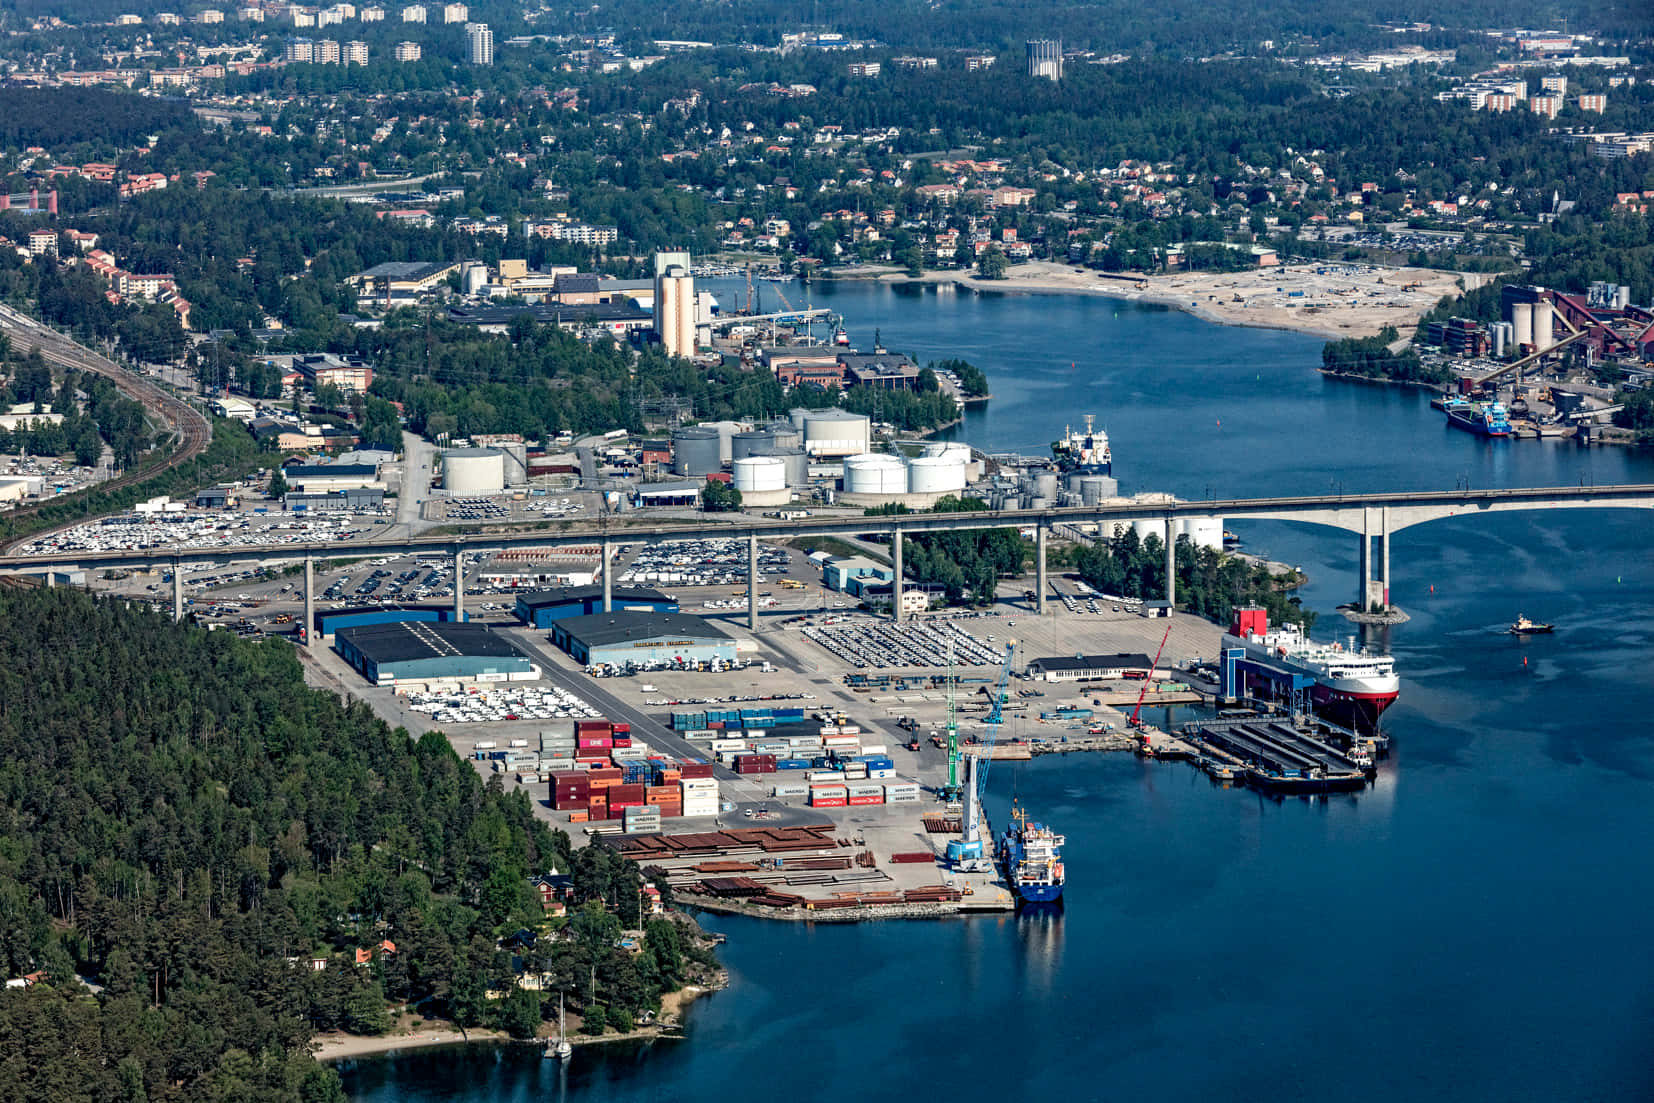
(701,563)
(506,508)
(196,530)
(880,645)
(531,702)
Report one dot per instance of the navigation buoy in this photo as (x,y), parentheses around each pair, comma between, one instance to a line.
(1524,660)
(1432,588)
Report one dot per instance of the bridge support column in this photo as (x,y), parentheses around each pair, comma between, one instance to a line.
(1364,561)
(310,601)
(1384,552)
(608,581)
(177,589)
(896,609)
(752,582)
(1039,569)
(1171,566)
(459,582)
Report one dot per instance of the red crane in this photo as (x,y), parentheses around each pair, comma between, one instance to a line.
(1150,679)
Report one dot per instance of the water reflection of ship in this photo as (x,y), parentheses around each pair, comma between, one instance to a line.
(1040,930)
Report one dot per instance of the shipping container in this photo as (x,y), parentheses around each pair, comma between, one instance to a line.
(579,816)
(903,798)
(827,802)
(697,770)
(871,798)
(792,791)
(864,789)
(486,744)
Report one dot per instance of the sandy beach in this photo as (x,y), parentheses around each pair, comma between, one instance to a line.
(1328,299)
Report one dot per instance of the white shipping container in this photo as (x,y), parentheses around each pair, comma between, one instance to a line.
(792,790)
(625,754)
(902,789)
(486,744)
(902,798)
(849,729)
(828,791)
(803,741)
(865,790)
(823,776)
(709,808)
(757,733)
(873,748)
(699,733)
(881,773)
(729,745)
(829,729)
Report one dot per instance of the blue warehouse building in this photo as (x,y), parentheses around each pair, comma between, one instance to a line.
(329,621)
(413,651)
(544,607)
(619,638)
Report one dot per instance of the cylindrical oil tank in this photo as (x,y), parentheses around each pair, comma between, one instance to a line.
(796,463)
(875,473)
(759,473)
(1622,297)
(786,434)
(1203,532)
(473,471)
(750,443)
(1009,502)
(1095,488)
(1542,340)
(1521,320)
(516,462)
(1499,340)
(935,475)
(1045,485)
(837,433)
(726,437)
(1039,502)
(1145,529)
(695,451)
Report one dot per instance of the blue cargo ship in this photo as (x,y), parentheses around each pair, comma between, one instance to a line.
(1489,420)
(1031,855)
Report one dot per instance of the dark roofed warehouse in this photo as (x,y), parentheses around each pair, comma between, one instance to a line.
(543,607)
(621,637)
(419,650)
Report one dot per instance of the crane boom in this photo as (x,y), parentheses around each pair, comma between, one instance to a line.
(1150,679)
(969,854)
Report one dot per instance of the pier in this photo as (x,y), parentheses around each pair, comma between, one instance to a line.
(1278,757)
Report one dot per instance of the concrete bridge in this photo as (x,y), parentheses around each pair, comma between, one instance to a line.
(1369,516)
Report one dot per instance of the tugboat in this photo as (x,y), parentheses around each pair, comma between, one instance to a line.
(1526,627)
(1032,856)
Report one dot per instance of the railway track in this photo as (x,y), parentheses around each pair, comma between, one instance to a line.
(189,428)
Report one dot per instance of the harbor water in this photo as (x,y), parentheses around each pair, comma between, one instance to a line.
(1470,927)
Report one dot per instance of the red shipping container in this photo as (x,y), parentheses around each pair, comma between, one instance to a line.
(715,725)
(621,727)
(592,727)
(874,798)
(633,793)
(623,741)
(692,770)
(827,802)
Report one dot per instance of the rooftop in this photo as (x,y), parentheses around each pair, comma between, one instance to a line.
(602,629)
(541,599)
(1128,660)
(406,641)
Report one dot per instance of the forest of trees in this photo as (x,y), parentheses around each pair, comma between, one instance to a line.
(187,824)
(58,116)
(1372,358)
(1210,583)
(967,564)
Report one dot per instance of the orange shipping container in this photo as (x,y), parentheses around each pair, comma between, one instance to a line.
(578,817)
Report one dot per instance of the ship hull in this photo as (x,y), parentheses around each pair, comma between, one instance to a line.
(1359,711)
(1038,894)
(1475,423)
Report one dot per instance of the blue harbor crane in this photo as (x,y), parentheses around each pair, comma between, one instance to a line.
(967,854)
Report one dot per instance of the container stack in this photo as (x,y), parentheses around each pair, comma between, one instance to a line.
(755,764)
(828,796)
(700,796)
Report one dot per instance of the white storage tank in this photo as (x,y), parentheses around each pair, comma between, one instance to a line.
(875,474)
(1542,339)
(797,464)
(837,433)
(1203,532)
(786,434)
(1095,489)
(473,471)
(696,451)
(1045,485)
(1521,319)
(936,475)
(798,415)
(516,462)
(759,473)
(476,278)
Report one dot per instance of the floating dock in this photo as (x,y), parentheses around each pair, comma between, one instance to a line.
(1277,757)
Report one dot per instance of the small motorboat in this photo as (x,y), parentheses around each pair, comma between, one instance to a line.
(1526,627)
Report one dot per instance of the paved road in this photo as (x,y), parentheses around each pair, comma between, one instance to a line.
(418,456)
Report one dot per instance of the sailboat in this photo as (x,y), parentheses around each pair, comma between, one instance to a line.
(561,1049)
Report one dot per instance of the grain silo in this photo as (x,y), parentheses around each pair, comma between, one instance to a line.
(696,451)
(1521,318)
(1542,339)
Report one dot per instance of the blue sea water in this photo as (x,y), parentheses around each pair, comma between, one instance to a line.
(1472,927)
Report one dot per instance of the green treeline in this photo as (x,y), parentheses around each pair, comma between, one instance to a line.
(55,117)
(1210,583)
(1372,357)
(188,826)
(968,564)
(231,455)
